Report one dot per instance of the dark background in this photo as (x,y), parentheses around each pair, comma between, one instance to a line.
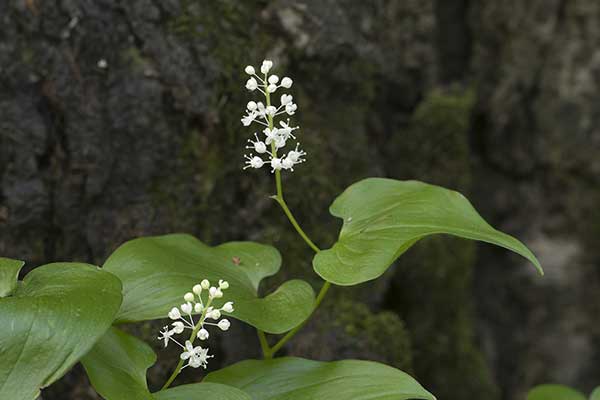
(497,99)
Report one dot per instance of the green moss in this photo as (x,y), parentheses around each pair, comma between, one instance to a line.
(381,334)
(431,285)
(434,147)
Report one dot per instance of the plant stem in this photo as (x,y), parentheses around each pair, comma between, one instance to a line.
(191,339)
(268,352)
(293,332)
(264,345)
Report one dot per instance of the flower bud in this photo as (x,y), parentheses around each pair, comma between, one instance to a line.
(189,297)
(266,66)
(198,307)
(215,314)
(205,284)
(203,334)
(197,289)
(251,105)
(224,324)
(186,308)
(174,313)
(273,79)
(178,327)
(223,284)
(212,292)
(286,82)
(228,307)
(251,84)
(250,70)
(271,88)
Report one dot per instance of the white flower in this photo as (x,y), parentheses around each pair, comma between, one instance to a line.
(276,164)
(228,307)
(203,334)
(205,284)
(296,155)
(249,70)
(165,335)
(271,111)
(189,297)
(286,99)
(223,284)
(278,133)
(271,135)
(251,84)
(197,289)
(215,293)
(291,108)
(178,327)
(254,162)
(280,141)
(174,314)
(266,66)
(224,324)
(258,146)
(286,130)
(214,314)
(187,308)
(198,307)
(286,82)
(249,118)
(198,357)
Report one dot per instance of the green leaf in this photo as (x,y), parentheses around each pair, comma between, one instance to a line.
(383,218)
(595,394)
(9,274)
(554,392)
(117,368)
(52,319)
(157,271)
(299,379)
(202,391)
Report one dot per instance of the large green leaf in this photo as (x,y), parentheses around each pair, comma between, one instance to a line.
(383,218)
(117,368)
(299,379)
(157,271)
(9,273)
(554,392)
(595,394)
(53,318)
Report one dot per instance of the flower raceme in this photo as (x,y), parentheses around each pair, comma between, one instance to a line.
(275,136)
(200,301)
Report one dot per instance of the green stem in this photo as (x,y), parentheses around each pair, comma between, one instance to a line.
(264,345)
(268,352)
(191,339)
(293,332)
(293,221)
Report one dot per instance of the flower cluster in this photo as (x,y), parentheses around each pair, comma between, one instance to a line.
(197,356)
(276,136)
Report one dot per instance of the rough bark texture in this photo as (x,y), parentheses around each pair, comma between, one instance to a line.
(498,99)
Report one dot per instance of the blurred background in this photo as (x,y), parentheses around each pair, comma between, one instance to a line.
(121,118)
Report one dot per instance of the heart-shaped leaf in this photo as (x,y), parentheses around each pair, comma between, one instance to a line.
(9,274)
(383,218)
(53,318)
(157,271)
(117,367)
(291,378)
(554,392)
